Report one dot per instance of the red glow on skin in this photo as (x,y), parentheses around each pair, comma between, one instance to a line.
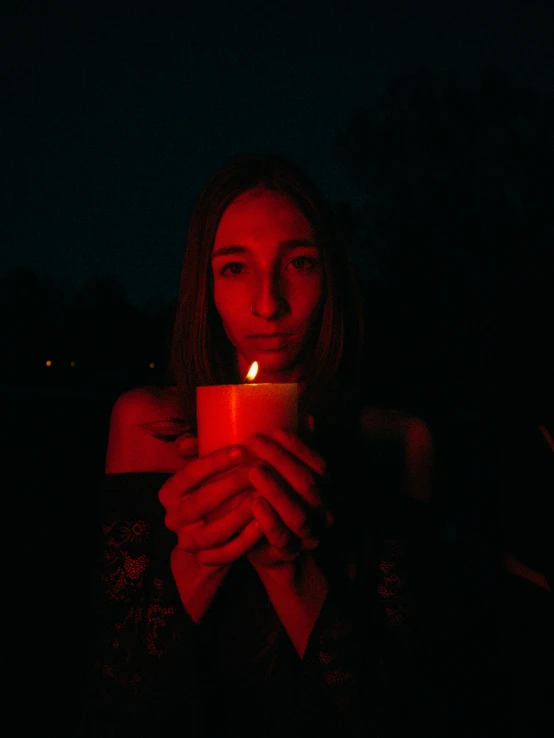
(417,441)
(284,286)
(513,565)
(547,437)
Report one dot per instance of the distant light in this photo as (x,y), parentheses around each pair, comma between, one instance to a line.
(71,363)
(48,363)
(152,365)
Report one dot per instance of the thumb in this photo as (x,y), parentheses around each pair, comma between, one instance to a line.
(187,445)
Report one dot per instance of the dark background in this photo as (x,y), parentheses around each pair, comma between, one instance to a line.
(430,127)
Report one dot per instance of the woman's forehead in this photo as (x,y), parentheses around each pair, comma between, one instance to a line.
(262,210)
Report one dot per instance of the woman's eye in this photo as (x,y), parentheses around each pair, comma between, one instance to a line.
(234,268)
(231,264)
(311,262)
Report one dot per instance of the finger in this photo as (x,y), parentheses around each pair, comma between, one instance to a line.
(293,514)
(229,505)
(209,497)
(292,468)
(194,474)
(187,446)
(206,466)
(234,549)
(193,538)
(277,534)
(294,445)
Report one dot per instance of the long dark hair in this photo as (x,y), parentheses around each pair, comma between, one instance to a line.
(201,353)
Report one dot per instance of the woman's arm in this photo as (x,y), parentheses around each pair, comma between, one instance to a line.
(143,647)
(336,631)
(297,590)
(133,449)
(197,584)
(414,436)
(515,567)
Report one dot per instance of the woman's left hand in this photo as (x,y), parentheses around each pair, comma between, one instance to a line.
(287,502)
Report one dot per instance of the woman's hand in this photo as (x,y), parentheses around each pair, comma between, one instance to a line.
(287,504)
(294,491)
(208,503)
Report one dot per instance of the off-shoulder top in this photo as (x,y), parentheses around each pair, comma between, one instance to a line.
(154,672)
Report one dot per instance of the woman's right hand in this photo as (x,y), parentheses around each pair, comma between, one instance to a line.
(208,502)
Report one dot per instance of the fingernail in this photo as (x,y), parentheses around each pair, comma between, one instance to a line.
(236,454)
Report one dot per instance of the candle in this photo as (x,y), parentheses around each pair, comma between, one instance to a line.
(228,414)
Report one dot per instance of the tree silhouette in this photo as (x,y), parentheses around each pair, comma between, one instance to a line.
(96,328)
(458,188)
(33,319)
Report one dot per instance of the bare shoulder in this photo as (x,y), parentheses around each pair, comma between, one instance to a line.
(139,416)
(414,436)
(379,422)
(145,404)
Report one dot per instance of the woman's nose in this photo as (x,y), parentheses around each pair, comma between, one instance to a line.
(269,301)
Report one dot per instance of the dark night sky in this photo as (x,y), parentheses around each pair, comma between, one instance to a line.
(114,119)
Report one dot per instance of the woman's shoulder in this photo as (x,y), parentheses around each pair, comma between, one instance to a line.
(386,422)
(147,401)
(412,436)
(142,421)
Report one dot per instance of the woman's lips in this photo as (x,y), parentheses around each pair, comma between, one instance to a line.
(271,343)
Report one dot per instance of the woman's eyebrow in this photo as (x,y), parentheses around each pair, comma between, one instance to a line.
(295,243)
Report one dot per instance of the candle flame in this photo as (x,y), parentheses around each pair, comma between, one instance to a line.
(252,372)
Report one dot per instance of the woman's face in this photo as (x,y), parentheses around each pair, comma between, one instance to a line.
(264,257)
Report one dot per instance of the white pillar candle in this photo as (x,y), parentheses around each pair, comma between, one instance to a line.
(228,414)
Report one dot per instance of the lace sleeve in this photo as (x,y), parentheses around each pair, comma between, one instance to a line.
(402,562)
(404,566)
(142,655)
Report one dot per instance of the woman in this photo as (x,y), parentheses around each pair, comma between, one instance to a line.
(271,599)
